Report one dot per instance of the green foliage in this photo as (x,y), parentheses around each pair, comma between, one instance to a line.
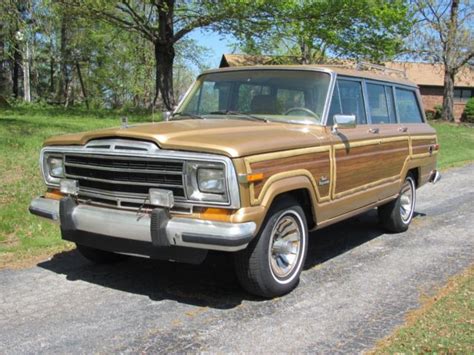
(468,115)
(434,114)
(366,29)
(117,65)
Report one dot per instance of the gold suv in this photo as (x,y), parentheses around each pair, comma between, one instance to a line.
(251,161)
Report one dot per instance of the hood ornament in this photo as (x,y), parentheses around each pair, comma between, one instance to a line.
(124,120)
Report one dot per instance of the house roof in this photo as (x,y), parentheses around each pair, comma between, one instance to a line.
(424,74)
(428,74)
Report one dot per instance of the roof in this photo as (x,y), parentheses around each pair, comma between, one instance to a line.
(428,74)
(424,74)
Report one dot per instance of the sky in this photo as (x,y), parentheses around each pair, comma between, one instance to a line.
(216,43)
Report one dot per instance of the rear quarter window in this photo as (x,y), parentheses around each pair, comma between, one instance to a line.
(407,106)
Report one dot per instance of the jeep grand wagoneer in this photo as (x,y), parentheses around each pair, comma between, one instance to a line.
(251,160)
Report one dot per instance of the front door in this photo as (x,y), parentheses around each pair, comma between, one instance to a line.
(356,151)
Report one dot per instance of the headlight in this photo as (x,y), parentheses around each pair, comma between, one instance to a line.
(206,181)
(211,180)
(55,167)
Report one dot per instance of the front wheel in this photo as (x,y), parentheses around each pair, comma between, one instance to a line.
(272,263)
(396,215)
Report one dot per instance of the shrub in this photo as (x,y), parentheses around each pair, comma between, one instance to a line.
(438,111)
(434,114)
(468,114)
(430,114)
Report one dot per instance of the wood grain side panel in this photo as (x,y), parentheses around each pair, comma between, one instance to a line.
(364,165)
(420,146)
(318,165)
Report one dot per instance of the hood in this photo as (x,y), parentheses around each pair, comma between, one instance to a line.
(230,137)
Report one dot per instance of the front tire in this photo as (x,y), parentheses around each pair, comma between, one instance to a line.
(98,256)
(272,263)
(397,215)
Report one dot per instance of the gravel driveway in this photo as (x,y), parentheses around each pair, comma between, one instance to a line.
(358,285)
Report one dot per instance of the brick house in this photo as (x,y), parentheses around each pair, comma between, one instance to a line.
(429,77)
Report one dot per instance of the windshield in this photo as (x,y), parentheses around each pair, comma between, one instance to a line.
(274,95)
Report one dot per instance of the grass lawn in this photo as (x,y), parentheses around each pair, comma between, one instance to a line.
(444,324)
(457,144)
(22,131)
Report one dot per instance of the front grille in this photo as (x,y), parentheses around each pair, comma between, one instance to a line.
(121,176)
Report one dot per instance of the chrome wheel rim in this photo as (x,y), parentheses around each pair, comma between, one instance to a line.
(285,245)
(406,201)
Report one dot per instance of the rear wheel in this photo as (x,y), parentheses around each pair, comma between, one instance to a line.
(272,263)
(98,256)
(396,215)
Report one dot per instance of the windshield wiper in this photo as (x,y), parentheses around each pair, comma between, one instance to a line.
(243,115)
(187,114)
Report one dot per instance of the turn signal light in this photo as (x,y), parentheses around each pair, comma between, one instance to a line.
(216,214)
(54,194)
(248,178)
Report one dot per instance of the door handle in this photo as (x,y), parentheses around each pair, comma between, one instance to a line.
(374,130)
(403,129)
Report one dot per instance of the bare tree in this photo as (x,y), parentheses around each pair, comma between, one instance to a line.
(445,34)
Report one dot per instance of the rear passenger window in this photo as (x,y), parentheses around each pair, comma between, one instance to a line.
(407,106)
(378,104)
(348,100)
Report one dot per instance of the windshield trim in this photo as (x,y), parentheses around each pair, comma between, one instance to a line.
(332,80)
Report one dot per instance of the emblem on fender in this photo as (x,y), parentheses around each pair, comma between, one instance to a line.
(323,180)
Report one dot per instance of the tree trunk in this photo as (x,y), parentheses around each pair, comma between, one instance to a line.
(83,88)
(448,94)
(3,61)
(449,64)
(26,73)
(63,83)
(51,67)
(164,58)
(16,72)
(164,54)
(305,52)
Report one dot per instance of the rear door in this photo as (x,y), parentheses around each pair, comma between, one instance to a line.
(423,139)
(393,149)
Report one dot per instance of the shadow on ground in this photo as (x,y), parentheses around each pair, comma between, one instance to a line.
(213,283)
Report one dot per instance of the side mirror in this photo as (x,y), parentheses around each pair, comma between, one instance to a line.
(167,115)
(343,121)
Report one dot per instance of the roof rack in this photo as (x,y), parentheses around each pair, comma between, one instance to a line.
(384,69)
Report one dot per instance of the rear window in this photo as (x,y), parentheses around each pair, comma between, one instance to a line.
(407,106)
(380,104)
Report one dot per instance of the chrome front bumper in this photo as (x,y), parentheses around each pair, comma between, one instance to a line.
(157,229)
